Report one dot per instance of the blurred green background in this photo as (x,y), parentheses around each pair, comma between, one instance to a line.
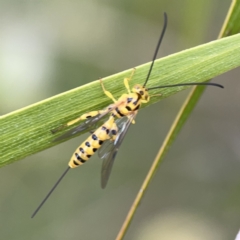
(47,47)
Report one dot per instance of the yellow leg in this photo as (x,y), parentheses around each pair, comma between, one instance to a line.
(133,121)
(155,95)
(82,117)
(107,93)
(126,80)
(128,116)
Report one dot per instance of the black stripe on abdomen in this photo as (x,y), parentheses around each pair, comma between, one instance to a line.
(76,163)
(118,111)
(79,158)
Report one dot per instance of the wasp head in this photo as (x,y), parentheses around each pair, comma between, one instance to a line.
(141,91)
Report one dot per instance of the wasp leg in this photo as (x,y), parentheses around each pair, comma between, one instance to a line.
(133,121)
(126,80)
(107,93)
(155,95)
(82,117)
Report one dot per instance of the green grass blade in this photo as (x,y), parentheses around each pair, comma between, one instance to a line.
(231,25)
(27,131)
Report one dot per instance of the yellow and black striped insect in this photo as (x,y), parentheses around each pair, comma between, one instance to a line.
(109,136)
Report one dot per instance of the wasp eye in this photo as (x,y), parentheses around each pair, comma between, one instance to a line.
(141,92)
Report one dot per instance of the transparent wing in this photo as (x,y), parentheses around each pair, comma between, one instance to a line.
(89,124)
(108,145)
(110,149)
(105,149)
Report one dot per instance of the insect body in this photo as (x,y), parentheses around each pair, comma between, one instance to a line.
(129,102)
(107,131)
(109,136)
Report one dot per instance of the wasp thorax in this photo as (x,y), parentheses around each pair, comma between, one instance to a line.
(142,91)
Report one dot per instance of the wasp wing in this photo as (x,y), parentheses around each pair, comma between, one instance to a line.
(109,151)
(89,124)
(108,145)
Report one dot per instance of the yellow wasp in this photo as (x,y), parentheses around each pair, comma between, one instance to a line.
(109,136)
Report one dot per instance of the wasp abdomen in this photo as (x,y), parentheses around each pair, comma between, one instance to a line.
(93,143)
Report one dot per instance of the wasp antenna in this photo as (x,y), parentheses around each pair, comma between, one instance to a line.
(157,48)
(188,84)
(48,195)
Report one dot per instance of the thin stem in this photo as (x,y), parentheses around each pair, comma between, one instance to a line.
(149,176)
